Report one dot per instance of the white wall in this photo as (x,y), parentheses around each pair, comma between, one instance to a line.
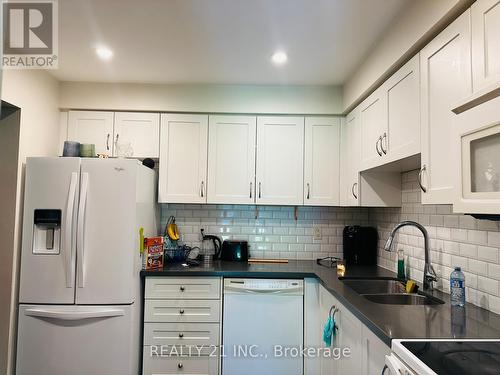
(409,32)
(202,98)
(37,94)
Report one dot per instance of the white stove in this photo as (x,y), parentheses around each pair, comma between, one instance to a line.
(443,357)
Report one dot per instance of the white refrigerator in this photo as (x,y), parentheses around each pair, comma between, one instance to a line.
(79,292)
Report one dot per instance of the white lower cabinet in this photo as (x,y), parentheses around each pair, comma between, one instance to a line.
(367,351)
(158,364)
(182,325)
(374,352)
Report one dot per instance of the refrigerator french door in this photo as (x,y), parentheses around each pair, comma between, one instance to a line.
(80,265)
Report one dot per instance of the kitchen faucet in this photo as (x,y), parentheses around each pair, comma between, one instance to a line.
(429,273)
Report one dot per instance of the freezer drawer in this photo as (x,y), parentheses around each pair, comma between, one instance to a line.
(183,288)
(167,365)
(182,311)
(76,340)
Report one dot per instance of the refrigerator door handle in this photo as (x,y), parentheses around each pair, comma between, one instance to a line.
(68,233)
(61,314)
(80,248)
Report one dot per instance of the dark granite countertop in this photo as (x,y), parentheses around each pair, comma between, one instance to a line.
(386,321)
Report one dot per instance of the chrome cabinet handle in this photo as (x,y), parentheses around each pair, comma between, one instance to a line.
(182,289)
(424,189)
(260,190)
(384,150)
(181,335)
(352,190)
(251,186)
(107,142)
(181,311)
(180,365)
(308,191)
(202,192)
(379,140)
(116,140)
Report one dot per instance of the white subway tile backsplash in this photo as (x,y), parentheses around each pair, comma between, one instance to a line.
(273,232)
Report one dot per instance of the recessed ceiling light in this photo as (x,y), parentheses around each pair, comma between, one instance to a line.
(104,53)
(279,58)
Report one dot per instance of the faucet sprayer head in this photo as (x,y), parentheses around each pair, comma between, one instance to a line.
(388,244)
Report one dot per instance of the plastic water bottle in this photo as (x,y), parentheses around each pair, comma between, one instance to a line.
(457,287)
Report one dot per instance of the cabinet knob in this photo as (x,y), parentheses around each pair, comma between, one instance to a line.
(182,289)
(180,365)
(181,311)
(181,335)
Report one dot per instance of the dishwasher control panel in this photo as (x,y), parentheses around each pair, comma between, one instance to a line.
(264,285)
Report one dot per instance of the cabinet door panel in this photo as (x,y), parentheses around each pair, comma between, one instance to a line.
(351,144)
(403,104)
(445,79)
(92,127)
(373,120)
(322,168)
(349,336)
(231,159)
(485,43)
(280,160)
(141,130)
(183,158)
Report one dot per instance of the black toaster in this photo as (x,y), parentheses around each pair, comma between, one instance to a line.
(236,251)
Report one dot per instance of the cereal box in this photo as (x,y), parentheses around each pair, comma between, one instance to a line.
(153,252)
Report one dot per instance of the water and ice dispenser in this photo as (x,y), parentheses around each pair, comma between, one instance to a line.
(47,232)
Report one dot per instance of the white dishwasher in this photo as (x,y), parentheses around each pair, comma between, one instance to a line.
(263,327)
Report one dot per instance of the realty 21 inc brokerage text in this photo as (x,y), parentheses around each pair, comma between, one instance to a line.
(249,351)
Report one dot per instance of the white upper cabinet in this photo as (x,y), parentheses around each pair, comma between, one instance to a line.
(280,160)
(485,43)
(183,158)
(373,123)
(92,127)
(139,129)
(402,91)
(231,159)
(351,149)
(390,118)
(321,161)
(445,80)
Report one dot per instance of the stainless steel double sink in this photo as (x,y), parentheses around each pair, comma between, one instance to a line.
(388,292)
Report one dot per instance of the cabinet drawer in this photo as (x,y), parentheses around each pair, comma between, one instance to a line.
(166,365)
(182,287)
(182,311)
(179,334)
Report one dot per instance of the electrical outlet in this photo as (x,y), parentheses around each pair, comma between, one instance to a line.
(317,233)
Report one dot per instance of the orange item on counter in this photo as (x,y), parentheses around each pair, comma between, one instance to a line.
(153,252)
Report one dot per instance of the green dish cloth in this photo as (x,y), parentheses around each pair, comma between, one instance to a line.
(329,331)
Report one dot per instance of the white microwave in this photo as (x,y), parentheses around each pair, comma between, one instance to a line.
(477,150)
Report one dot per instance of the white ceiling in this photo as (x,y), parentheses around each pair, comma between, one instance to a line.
(219,41)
